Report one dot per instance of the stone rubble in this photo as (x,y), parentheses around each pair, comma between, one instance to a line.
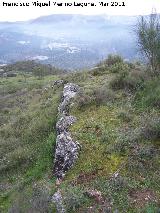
(69,92)
(64,122)
(67,149)
(57,199)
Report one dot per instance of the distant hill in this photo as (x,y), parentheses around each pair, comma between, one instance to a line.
(68,41)
(30,67)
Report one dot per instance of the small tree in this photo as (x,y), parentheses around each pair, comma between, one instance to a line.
(39,72)
(148,34)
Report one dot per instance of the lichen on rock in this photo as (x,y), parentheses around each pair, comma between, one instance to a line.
(64,122)
(66,148)
(66,154)
(69,92)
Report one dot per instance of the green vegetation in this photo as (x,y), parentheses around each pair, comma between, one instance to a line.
(32,67)
(149,96)
(148,37)
(27,137)
(118,126)
(119,129)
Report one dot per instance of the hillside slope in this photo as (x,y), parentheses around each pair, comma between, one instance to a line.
(118,128)
(28,111)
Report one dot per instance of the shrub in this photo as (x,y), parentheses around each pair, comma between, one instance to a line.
(38,201)
(119,68)
(103,95)
(98,70)
(113,64)
(132,139)
(126,139)
(148,39)
(118,82)
(15,159)
(128,81)
(84,99)
(74,198)
(125,116)
(143,160)
(145,153)
(113,59)
(75,77)
(149,96)
(151,128)
(105,138)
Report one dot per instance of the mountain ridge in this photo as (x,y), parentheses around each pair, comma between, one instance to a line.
(87,39)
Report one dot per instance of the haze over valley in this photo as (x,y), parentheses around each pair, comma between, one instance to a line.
(68,41)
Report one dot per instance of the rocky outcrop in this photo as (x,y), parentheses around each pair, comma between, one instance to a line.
(67,148)
(70,90)
(66,154)
(64,122)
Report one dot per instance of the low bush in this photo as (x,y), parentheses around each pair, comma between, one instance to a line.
(84,99)
(76,77)
(112,59)
(143,160)
(119,68)
(98,96)
(128,81)
(132,139)
(126,140)
(96,71)
(125,116)
(103,95)
(20,156)
(105,137)
(37,201)
(149,96)
(151,128)
(113,64)
(74,197)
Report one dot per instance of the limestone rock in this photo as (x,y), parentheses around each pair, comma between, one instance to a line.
(66,148)
(66,154)
(64,122)
(57,199)
(70,90)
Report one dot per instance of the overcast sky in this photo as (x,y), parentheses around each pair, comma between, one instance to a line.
(133,7)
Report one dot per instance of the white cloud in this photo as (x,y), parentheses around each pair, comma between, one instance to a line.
(133,7)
